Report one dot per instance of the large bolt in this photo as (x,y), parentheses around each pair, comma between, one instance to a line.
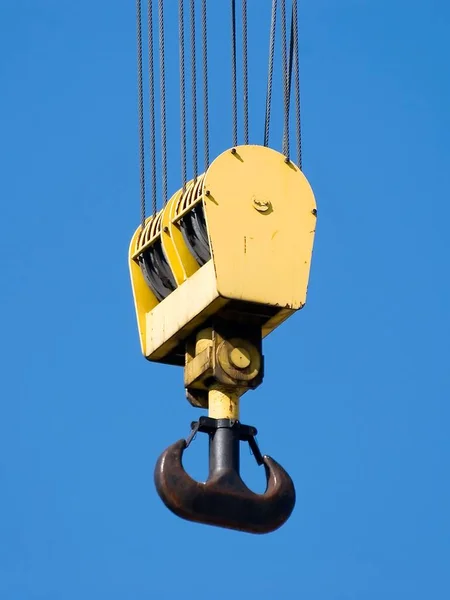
(240,358)
(261,206)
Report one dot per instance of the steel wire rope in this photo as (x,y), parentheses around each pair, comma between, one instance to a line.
(285,78)
(233,72)
(205,84)
(245,68)
(194,92)
(140,109)
(297,84)
(182,93)
(291,57)
(151,85)
(162,91)
(270,72)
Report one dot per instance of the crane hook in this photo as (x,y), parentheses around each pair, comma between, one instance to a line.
(224,500)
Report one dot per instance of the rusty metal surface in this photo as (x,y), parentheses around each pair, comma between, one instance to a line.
(224,500)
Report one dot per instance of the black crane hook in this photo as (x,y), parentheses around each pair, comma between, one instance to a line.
(224,500)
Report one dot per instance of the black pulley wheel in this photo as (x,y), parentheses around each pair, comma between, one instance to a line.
(156,271)
(193,227)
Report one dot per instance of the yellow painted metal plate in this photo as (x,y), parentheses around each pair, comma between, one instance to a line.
(169,248)
(187,261)
(144,299)
(261,220)
(182,312)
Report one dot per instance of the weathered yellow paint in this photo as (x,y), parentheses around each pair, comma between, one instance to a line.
(223,403)
(276,321)
(260,214)
(168,245)
(203,340)
(188,262)
(147,236)
(261,217)
(144,298)
(182,312)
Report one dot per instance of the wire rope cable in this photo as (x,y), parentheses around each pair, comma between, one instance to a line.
(182,93)
(194,92)
(285,79)
(162,80)
(233,72)
(291,57)
(270,72)
(151,85)
(205,84)
(140,108)
(297,84)
(245,68)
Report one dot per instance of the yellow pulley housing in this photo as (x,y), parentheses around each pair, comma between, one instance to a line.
(256,213)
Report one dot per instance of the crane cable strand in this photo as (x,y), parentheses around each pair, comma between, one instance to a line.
(182,93)
(233,72)
(270,72)
(285,78)
(151,79)
(205,84)
(297,84)
(290,63)
(140,109)
(194,93)
(291,56)
(245,68)
(162,91)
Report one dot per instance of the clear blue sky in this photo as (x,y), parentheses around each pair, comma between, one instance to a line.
(355,402)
